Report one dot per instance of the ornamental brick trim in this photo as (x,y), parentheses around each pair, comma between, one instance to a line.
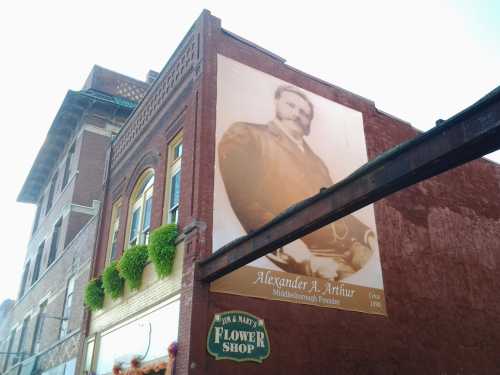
(130,91)
(186,62)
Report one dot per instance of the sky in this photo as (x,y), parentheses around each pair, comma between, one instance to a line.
(417,60)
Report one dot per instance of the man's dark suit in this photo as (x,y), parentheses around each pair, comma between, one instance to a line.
(265,172)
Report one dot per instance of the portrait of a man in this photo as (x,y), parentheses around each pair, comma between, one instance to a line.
(268,167)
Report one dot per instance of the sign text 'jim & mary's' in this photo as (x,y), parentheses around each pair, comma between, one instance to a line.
(238,336)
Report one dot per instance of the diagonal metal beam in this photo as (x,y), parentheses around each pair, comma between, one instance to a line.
(468,135)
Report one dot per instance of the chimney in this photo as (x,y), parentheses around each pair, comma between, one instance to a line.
(151,77)
(439,122)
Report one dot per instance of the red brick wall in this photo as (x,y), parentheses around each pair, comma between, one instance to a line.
(75,222)
(438,244)
(91,161)
(122,179)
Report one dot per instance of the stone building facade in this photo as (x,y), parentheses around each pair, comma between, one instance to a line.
(42,330)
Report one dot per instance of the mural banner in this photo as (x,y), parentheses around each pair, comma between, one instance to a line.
(276,145)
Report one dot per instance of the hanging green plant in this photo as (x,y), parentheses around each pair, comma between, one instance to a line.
(131,265)
(94,295)
(112,281)
(162,249)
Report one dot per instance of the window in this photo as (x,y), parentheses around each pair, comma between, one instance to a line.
(55,242)
(69,367)
(175,190)
(64,330)
(67,166)
(22,338)
(50,198)
(38,261)
(143,336)
(9,349)
(37,215)
(174,179)
(113,233)
(37,335)
(178,150)
(89,356)
(24,279)
(141,205)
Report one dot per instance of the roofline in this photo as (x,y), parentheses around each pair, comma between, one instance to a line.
(165,68)
(90,96)
(253,45)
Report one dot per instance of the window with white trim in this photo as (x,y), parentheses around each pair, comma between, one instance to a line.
(21,352)
(50,198)
(88,366)
(38,263)
(37,215)
(24,281)
(37,335)
(68,301)
(140,209)
(67,166)
(174,179)
(54,244)
(113,232)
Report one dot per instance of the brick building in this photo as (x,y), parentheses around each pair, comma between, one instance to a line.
(41,330)
(438,240)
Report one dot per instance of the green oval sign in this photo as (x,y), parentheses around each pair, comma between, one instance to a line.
(238,336)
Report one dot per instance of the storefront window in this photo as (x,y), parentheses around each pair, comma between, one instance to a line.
(146,337)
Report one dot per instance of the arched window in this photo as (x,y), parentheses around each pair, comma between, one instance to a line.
(141,203)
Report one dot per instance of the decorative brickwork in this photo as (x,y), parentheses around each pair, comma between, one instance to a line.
(107,81)
(130,91)
(59,353)
(176,71)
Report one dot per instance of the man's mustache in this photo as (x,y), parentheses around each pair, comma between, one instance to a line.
(299,122)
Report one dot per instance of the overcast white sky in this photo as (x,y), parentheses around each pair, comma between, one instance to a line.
(417,60)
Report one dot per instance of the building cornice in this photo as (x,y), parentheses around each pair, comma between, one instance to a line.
(67,119)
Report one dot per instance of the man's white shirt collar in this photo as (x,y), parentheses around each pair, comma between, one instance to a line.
(300,144)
